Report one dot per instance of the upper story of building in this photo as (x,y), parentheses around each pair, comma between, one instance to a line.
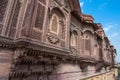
(56,26)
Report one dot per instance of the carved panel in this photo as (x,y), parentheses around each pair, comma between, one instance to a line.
(15,18)
(3,5)
(28,18)
(40,16)
(36,35)
(16,13)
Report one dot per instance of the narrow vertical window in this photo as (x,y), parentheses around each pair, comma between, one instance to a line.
(40,16)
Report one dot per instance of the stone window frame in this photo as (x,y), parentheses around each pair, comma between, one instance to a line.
(58,25)
(37,4)
(75,35)
(89,37)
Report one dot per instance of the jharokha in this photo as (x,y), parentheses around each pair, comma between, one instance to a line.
(51,40)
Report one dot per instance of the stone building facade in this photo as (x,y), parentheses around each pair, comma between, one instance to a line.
(51,40)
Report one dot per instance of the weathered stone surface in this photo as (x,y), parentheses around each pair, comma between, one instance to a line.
(46,40)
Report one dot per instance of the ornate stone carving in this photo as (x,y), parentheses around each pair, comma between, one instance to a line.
(53,40)
(73,50)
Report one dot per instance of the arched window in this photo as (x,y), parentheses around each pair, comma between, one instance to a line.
(88,42)
(73,40)
(54,24)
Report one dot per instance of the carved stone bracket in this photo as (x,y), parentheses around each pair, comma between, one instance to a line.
(53,40)
(73,50)
(53,4)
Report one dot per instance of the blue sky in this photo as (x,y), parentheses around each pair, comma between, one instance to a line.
(106,12)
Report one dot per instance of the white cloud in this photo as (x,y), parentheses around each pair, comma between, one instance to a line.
(113,35)
(108,28)
(81,4)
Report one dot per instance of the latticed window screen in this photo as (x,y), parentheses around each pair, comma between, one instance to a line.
(54,24)
(3,5)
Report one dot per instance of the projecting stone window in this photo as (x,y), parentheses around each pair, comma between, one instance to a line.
(3,5)
(54,24)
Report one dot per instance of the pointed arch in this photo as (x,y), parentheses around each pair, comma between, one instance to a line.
(57,21)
